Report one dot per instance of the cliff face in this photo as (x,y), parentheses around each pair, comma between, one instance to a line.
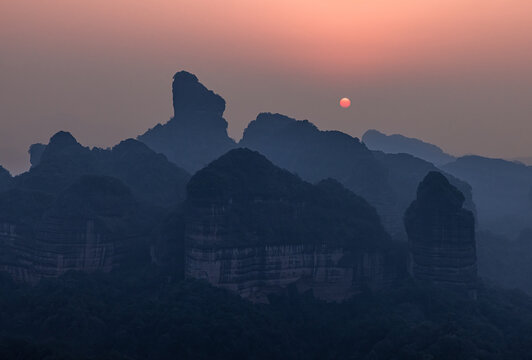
(197,134)
(5,179)
(94,224)
(387,181)
(53,249)
(254,272)
(255,228)
(441,234)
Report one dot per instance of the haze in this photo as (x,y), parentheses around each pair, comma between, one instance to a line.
(456,73)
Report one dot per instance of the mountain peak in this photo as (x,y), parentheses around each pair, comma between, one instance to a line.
(435,191)
(63,139)
(189,95)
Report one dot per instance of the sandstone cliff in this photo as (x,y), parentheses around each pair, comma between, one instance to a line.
(90,226)
(85,209)
(441,234)
(255,228)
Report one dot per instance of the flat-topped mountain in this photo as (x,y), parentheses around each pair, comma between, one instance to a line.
(197,133)
(396,144)
(386,181)
(254,228)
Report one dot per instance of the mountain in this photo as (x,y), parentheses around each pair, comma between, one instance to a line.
(441,234)
(197,133)
(86,209)
(395,144)
(5,179)
(501,191)
(386,181)
(527,160)
(150,176)
(255,228)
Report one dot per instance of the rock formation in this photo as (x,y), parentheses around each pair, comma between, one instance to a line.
(90,226)
(396,144)
(5,179)
(85,209)
(388,182)
(197,134)
(150,176)
(36,151)
(441,234)
(255,228)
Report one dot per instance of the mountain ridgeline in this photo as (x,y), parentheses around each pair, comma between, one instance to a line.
(396,144)
(387,181)
(255,228)
(151,249)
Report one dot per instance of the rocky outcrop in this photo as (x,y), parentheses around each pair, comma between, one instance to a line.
(55,248)
(91,226)
(396,144)
(255,228)
(6,181)
(386,181)
(441,234)
(36,151)
(197,134)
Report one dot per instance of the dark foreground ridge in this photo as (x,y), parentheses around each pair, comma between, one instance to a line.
(143,315)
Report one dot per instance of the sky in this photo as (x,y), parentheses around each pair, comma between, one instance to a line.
(456,73)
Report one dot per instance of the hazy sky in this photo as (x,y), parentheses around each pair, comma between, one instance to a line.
(457,73)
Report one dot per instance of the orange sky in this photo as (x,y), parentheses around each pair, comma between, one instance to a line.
(454,72)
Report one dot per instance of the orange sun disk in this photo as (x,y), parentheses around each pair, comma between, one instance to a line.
(345,103)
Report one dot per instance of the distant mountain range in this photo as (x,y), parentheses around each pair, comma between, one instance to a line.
(187,182)
(396,143)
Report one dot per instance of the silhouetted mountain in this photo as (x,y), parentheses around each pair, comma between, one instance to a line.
(86,210)
(527,160)
(395,144)
(501,191)
(5,179)
(36,151)
(388,182)
(151,176)
(247,214)
(197,134)
(94,224)
(441,234)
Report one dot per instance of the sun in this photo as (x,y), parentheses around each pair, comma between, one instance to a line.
(345,103)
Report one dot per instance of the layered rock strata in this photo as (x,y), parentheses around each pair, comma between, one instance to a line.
(441,234)
(254,228)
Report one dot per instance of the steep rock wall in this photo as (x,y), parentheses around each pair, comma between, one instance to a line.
(253,272)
